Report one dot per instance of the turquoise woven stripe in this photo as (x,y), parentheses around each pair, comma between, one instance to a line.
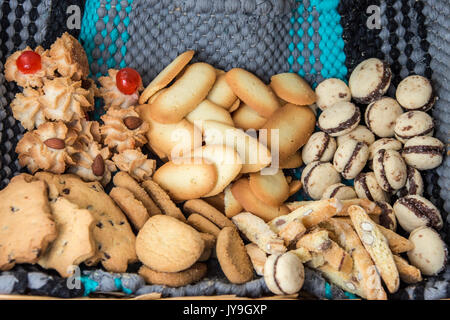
(88,29)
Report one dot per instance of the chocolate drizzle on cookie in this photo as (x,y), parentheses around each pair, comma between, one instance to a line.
(385,216)
(423,133)
(308,175)
(380,159)
(362,179)
(344,125)
(355,152)
(437,150)
(380,88)
(275,280)
(336,190)
(324,147)
(421,210)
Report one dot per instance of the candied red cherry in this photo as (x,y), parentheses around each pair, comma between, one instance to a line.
(128,80)
(29,62)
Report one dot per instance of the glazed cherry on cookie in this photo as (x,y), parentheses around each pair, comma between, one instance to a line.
(29,62)
(128,80)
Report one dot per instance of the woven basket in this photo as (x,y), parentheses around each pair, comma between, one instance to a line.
(317,39)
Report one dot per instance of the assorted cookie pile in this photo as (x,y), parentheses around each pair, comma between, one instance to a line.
(221,192)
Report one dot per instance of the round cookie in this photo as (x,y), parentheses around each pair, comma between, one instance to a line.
(233,257)
(414,183)
(381,116)
(174,279)
(415,211)
(360,133)
(423,153)
(284,274)
(415,93)
(339,191)
(166,244)
(292,88)
(369,80)
(317,176)
(339,119)
(390,170)
(367,187)
(350,158)
(385,143)
(430,252)
(320,147)
(330,91)
(412,124)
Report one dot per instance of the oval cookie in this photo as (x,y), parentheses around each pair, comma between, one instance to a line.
(271,189)
(292,88)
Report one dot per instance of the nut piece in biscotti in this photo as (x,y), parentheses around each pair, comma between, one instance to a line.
(390,170)
(208,211)
(166,244)
(381,116)
(415,211)
(408,273)
(114,239)
(75,241)
(284,274)
(295,125)
(350,158)
(360,133)
(166,75)
(423,153)
(185,94)
(367,187)
(330,91)
(293,89)
(339,191)
(134,209)
(272,189)
(369,80)
(430,252)
(415,93)
(258,232)
(233,257)
(413,124)
(135,163)
(50,147)
(292,232)
(26,223)
(174,279)
(377,246)
(317,176)
(27,108)
(339,119)
(414,183)
(69,57)
(320,147)
(112,96)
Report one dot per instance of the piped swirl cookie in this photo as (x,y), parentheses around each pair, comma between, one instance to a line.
(113,96)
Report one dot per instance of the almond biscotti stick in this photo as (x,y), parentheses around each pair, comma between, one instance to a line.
(345,281)
(376,245)
(258,258)
(303,254)
(292,232)
(369,206)
(296,204)
(258,232)
(310,215)
(408,273)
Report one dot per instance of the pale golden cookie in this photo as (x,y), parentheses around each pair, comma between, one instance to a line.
(270,189)
(221,93)
(293,89)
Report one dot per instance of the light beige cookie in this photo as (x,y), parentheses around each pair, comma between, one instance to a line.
(221,93)
(174,279)
(135,163)
(133,208)
(246,118)
(185,94)
(270,189)
(231,206)
(330,91)
(235,106)
(201,224)
(166,244)
(284,274)
(258,258)
(408,273)
(252,91)
(207,110)
(166,75)
(292,88)
(75,241)
(209,212)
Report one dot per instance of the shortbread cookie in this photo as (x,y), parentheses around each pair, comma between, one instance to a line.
(390,170)
(270,189)
(381,116)
(258,258)
(135,163)
(207,110)
(201,224)
(174,279)
(293,161)
(252,91)
(376,244)
(317,176)
(408,273)
(339,191)
(233,257)
(369,80)
(415,211)
(185,94)
(284,274)
(210,246)
(330,91)
(114,239)
(414,183)
(221,93)
(75,241)
(247,118)
(413,124)
(320,147)
(166,75)
(124,180)
(423,153)
(27,108)
(415,93)
(367,187)
(188,178)
(206,210)
(339,119)
(26,222)
(350,158)
(295,125)
(133,208)
(258,232)
(166,244)
(360,133)
(292,88)
(243,194)
(162,200)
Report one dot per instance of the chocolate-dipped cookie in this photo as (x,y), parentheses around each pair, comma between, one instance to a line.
(384,143)
(413,124)
(339,191)
(339,119)
(390,170)
(414,183)
(423,153)
(317,176)
(350,158)
(320,147)
(415,93)
(387,217)
(415,211)
(381,116)
(369,80)
(367,187)
(330,91)
(360,133)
